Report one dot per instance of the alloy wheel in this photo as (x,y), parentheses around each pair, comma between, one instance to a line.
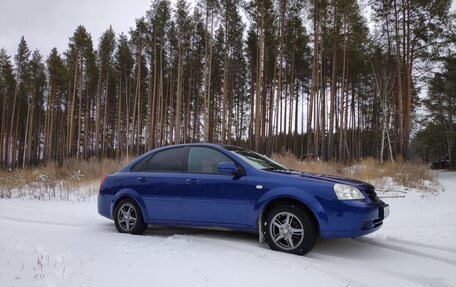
(127,217)
(286,230)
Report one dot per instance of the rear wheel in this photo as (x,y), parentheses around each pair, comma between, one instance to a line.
(128,217)
(290,229)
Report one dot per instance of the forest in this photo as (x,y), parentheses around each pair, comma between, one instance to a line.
(331,80)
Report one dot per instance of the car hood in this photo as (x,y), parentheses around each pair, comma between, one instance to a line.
(328,178)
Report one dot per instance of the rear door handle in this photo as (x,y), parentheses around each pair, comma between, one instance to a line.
(141,179)
(191,181)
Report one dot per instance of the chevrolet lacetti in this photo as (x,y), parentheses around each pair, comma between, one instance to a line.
(210,185)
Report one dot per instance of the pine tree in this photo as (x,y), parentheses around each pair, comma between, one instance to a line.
(81,63)
(441,103)
(7,93)
(159,18)
(35,97)
(55,114)
(22,75)
(410,32)
(197,45)
(105,54)
(183,28)
(124,68)
(209,10)
(139,39)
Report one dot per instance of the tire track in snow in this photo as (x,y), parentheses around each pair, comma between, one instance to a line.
(335,262)
(47,223)
(47,217)
(321,263)
(404,250)
(306,262)
(419,244)
(51,211)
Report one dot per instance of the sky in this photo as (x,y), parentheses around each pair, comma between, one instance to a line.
(46,24)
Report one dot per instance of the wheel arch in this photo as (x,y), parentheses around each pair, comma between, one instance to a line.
(128,194)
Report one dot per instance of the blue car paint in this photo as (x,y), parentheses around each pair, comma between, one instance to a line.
(236,202)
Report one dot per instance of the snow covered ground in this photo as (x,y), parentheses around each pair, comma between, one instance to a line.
(65,243)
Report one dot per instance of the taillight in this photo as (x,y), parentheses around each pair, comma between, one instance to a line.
(102,180)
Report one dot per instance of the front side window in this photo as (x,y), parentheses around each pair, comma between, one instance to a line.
(205,160)
(170,160)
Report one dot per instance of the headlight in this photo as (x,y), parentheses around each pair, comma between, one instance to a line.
(347,192)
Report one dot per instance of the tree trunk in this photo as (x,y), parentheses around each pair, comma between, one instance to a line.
(259,81)
(316,25)
(333,88)
(177,137)
(97,111)
(80,109)
(105,117)
(399,82)
(342,97)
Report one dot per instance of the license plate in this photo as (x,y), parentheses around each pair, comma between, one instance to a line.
(386,211)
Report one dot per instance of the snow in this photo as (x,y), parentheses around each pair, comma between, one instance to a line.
(66,243)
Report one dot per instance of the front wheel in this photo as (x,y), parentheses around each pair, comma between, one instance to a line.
(290,229)
(128,217)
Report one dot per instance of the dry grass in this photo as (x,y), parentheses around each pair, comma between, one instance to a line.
(407,174)
(73,170)
(79,179)
(290,161)
(75,179)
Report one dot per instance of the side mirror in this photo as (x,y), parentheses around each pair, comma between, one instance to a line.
(227,167)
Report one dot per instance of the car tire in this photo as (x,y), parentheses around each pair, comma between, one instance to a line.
(290,229)
(128,217)
(141,231)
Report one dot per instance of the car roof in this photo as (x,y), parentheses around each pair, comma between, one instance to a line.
(199,144)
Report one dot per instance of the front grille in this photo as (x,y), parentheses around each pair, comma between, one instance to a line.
(370,224)
(371,194)
(377,222)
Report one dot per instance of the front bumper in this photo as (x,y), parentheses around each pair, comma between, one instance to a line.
(352,218)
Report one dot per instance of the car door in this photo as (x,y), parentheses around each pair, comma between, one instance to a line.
(158,180)
(210,196)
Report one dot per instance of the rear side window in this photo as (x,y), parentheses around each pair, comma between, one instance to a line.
(170,160)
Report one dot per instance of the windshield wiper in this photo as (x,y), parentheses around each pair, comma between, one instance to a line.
(273,169)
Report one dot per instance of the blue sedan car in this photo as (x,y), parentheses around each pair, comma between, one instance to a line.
(210,185)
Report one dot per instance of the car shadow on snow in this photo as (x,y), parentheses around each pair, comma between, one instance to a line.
(204,232)
(339,247)
(343,247)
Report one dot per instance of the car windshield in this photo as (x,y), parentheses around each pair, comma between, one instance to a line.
(256,160)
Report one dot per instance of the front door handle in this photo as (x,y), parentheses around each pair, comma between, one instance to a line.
(141,179)
(191,181)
